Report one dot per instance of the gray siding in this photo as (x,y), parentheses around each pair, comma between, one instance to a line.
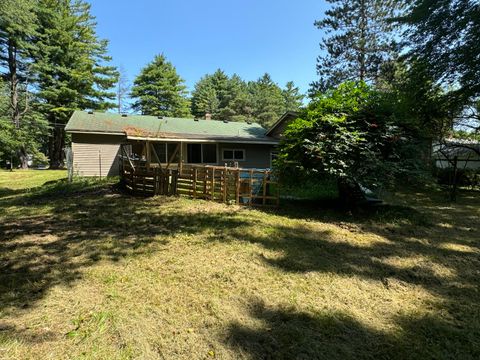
(96,155)
(256,155)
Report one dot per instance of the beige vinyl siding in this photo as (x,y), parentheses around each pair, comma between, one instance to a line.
(95,155)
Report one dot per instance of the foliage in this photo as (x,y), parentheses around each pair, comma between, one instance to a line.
(18,123)
(421,106)
(231,98)
(445,35)
(293,99)
(348,132)
(27,135)
(71,66)
(267,100)
(158,90)
(359,40)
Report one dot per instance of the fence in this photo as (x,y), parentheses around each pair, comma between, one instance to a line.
(216,183)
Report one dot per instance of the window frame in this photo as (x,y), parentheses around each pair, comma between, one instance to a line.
(233,152)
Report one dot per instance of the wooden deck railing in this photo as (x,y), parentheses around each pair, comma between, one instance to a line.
(216,183)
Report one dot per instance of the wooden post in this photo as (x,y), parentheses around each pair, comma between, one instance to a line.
(237,187)
(213,183)
(264,187)
(180,159)
(195,173)
(148,154)
(225,185)
(251,187)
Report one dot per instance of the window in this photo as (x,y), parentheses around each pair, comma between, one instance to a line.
(234,154)
(165,152)
(209,152)
(202,153)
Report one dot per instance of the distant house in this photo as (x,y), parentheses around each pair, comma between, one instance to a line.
(98,139)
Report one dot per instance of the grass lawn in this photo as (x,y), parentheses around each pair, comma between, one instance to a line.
(87,273)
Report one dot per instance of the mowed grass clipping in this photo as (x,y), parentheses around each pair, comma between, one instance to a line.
(89,273)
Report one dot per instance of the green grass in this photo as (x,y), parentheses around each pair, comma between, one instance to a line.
(88,273)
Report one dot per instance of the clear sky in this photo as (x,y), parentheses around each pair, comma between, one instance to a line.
(247,37)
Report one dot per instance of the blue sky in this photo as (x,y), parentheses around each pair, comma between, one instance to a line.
(247,37)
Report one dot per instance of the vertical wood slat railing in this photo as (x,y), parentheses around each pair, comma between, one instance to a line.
(253,187)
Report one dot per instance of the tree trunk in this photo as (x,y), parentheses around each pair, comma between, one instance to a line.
(55,148)
(23,158)
(362,43)
(13,80)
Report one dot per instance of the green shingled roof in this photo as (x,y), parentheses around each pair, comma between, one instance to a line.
(163,127)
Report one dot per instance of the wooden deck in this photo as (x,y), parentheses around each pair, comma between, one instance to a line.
(230,185)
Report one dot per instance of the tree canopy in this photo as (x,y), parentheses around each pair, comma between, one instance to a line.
(158,90)
(231,98)
(358,40)
(445,35)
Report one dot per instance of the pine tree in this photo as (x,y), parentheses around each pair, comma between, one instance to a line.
(359,39)
(446,36)
(267,100)
(158,90)
(72,67)
(205,99)
(292,98)
(211,95)
(18,26)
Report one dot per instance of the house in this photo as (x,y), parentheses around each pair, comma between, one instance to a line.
(99,138)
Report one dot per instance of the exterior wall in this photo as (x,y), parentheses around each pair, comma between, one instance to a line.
(96,155)
(256,155)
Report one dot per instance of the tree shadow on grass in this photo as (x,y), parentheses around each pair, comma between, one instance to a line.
(93,223)
(50,236)
(281,333)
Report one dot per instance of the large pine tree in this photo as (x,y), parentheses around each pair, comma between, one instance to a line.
(358,38)
(72,67)
(267,100)
(222,96)
(158,90)
(19,123)
(292,97)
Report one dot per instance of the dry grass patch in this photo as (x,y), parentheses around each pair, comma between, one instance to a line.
(87,273)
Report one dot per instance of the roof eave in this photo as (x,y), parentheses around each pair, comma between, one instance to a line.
(207,140)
